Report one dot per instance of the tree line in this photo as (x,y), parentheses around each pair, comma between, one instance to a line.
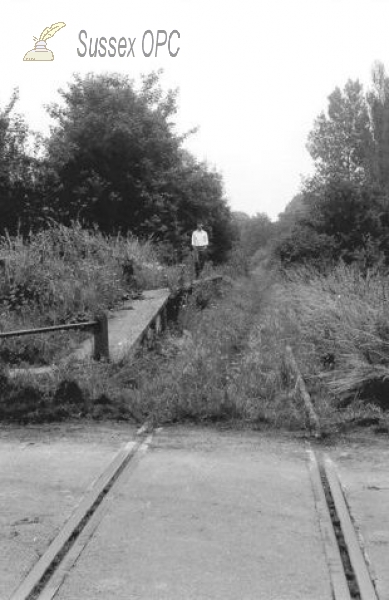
(342,210)
(114,160)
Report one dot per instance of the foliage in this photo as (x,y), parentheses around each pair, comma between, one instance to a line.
(341,142)
(66,274)
(342,210)
(343,220)
(114,159)
(378,103)
(255,233)
(338,324)
(19,187)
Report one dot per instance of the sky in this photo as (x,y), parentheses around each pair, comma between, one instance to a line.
(252,75)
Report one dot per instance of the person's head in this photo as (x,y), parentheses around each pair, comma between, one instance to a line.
(199,225)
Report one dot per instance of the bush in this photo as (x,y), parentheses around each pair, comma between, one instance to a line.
(64,275)
(339,322)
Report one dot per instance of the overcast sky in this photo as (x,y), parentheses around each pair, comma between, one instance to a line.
(253,75)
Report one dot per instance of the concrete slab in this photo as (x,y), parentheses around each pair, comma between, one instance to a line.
(208,515)
(126,326)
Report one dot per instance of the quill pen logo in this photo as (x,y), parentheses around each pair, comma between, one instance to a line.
(41,52)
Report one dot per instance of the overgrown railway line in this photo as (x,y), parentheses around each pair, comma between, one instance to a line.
(347,564)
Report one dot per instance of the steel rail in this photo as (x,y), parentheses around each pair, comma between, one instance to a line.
(39,575)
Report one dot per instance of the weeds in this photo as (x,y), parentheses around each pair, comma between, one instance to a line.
(224,357)
(65,275)
(185,377)
(337,326)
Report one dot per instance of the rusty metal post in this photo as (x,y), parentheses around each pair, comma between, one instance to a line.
(101,339)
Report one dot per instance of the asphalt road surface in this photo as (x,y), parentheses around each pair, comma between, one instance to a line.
(208,515)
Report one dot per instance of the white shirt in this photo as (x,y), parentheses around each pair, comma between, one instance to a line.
(199,238)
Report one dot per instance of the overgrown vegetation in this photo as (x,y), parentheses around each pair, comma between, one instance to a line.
(336,324)
(223,359)
(186,376)
(330,248)
(321,282)
(341,212)
(113,158)
(65,275)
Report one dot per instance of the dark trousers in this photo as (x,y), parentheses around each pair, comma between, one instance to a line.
(199,259)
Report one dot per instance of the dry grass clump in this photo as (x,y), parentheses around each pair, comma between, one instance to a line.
(338,327)
(191,381)
(343,318)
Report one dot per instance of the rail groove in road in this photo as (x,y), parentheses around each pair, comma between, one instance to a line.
(38,578)
(347,566)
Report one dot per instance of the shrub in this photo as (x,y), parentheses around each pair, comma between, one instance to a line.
(67,274)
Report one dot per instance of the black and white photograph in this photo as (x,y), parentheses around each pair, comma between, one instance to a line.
(194,300)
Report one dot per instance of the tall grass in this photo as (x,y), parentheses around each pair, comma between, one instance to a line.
(338,327)
(225,357)
(343,318)
(67,274)
(191,381)
(185,377)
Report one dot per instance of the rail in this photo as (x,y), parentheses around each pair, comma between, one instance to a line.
(300,387)
(99,327)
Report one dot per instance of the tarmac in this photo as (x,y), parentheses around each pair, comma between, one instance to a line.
(205,513)
(363,470)
(45,470)
(208,515)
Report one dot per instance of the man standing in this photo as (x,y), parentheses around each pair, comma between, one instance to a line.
(199,245)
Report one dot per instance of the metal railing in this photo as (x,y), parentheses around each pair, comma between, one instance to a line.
(99,328)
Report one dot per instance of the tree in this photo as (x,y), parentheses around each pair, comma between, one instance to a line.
(116,160)
(343,209)
(343,220)
(18,180)
(341,142)
(378,102)
(256,233)
(111,148)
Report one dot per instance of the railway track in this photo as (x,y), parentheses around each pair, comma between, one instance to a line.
(346,562)
(44,580)
(346,559)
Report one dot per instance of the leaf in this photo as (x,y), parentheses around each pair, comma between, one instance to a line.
(48,32)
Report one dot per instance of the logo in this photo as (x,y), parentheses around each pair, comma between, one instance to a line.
(41,52)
